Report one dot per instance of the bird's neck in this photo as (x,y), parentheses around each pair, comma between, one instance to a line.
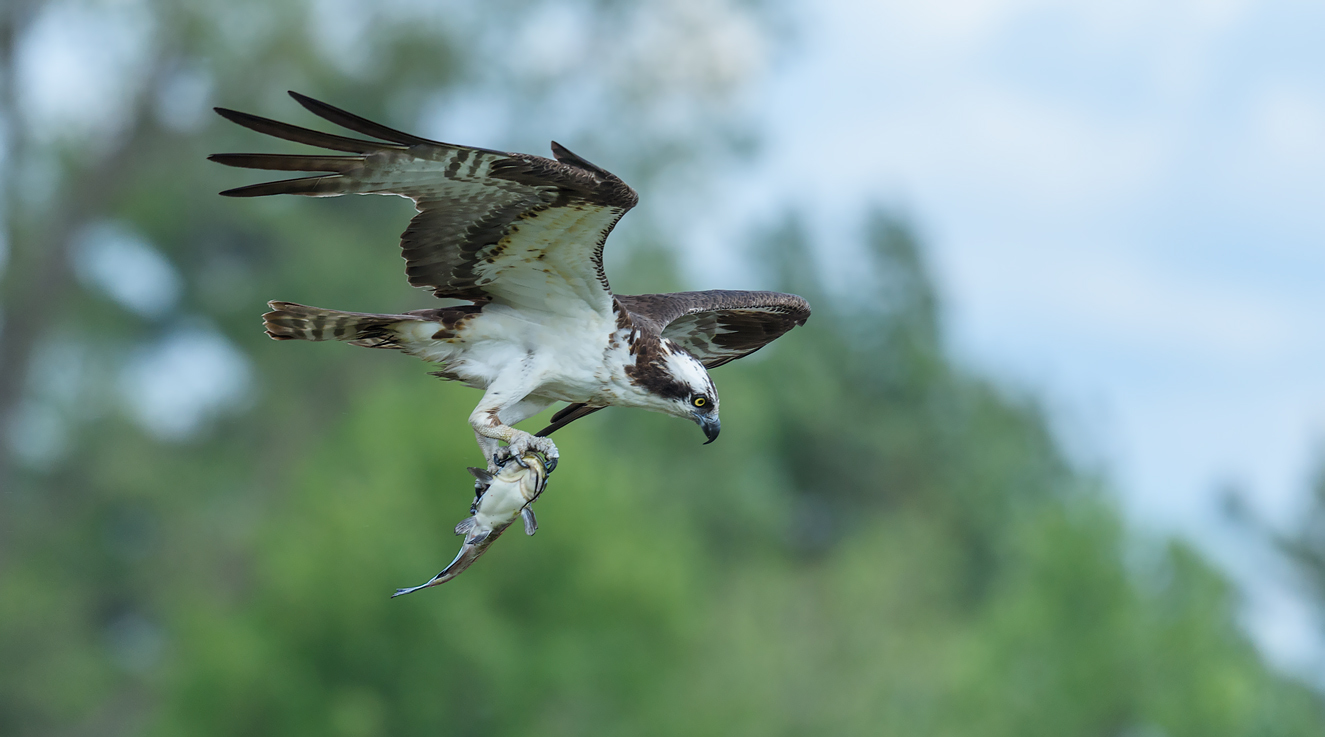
(636,365)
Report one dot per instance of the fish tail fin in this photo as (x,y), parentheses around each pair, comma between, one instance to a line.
(409,590)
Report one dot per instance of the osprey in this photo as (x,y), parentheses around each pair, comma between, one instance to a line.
(519,239)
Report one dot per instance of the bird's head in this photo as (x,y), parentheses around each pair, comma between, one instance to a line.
(683,388)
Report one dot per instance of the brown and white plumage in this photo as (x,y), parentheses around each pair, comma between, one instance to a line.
(481,215)
(521,238)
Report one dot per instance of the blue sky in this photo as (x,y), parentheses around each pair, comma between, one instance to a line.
(1123,202)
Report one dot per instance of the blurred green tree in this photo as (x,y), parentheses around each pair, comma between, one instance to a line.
(1303,544)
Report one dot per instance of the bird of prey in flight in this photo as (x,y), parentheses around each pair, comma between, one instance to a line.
(519,239)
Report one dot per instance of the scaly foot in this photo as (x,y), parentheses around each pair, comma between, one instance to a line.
(520,444)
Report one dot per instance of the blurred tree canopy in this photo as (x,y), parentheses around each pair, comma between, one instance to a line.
(199,528)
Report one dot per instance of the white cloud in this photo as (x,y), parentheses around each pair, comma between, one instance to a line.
(1120,196)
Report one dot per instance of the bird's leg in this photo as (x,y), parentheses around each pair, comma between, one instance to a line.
(492,420)
(488,425)
(488,445)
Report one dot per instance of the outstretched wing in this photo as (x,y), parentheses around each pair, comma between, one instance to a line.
(716,326)
(492,226)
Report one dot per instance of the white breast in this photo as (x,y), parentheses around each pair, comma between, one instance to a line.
(563,354)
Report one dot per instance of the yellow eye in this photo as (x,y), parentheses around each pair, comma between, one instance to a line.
(700,401)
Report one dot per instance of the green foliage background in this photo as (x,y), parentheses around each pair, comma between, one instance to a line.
(881,543)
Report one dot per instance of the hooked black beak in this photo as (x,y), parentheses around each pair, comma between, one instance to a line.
(710,425)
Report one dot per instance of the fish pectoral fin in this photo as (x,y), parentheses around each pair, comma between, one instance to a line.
(465,527)
(480,537)
(530,522)
(482,475)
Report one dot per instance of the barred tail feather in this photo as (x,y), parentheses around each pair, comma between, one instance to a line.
(290,321)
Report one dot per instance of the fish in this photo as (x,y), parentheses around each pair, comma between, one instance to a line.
(499,499)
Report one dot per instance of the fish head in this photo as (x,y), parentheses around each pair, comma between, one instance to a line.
(531,476)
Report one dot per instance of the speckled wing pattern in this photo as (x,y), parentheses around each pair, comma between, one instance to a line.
(715,326)
(492,226)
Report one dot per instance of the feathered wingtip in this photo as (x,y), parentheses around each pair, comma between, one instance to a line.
(359,124)
(328,185)
(566,156)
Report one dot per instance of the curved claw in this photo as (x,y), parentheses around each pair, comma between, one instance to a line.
(551,465)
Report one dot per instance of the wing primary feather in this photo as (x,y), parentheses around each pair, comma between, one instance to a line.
(565,156)
(300,135)
(289,162)
(331,184)
(359,124)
